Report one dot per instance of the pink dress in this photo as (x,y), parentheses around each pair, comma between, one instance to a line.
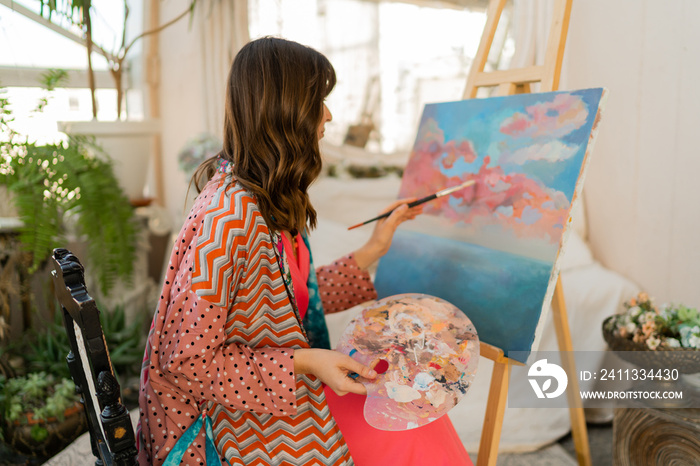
(435,444)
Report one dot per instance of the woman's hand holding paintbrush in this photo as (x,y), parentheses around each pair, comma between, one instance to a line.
(417,202)
(387,222)
(380,241)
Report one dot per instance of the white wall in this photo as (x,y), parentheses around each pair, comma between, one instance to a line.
(641,190)
(181,101)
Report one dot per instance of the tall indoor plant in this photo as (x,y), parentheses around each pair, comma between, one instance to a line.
(76,15)
(129,143)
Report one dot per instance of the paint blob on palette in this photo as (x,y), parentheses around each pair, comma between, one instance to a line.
(428,352)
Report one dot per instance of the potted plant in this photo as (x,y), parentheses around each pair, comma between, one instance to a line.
(195,151)
(645,326)
(74,17)
(129,143)
(38,404)
(41,413)
(664,341)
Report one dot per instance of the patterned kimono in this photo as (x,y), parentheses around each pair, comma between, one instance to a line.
(223,338)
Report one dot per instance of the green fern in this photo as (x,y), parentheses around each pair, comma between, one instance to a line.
(52,183)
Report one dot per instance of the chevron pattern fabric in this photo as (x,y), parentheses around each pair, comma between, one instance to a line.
(224,284)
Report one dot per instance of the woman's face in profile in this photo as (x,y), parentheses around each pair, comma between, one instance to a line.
(325,119)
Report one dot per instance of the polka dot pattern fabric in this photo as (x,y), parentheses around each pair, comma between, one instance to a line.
(223,337)
(343,285)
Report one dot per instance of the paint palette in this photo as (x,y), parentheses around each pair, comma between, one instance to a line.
(428,352)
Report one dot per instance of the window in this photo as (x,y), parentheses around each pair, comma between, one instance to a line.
(390,57)
(29,49)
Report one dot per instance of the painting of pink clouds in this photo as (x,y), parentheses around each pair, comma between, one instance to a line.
(491,248)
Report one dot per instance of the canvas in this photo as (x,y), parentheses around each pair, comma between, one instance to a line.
(491,249)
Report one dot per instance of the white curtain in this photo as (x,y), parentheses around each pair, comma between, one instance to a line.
(532,20)
(531,23)
(224,30)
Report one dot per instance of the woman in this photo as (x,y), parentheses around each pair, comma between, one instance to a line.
(239,334)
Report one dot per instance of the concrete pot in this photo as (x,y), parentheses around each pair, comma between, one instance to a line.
(128,143)
(59,432)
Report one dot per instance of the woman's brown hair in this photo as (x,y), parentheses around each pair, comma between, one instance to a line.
(274,106)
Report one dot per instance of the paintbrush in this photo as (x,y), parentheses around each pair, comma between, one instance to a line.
(420,201)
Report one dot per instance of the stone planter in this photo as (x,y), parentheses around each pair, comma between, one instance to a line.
(59,433)
(128,143)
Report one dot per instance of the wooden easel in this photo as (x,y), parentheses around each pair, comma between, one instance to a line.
(517,81)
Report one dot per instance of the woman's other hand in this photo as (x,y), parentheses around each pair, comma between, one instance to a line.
(380,241)
(333,369)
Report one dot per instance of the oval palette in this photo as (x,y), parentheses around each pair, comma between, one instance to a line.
(426,351)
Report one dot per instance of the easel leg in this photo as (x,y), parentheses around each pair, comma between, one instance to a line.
(495,409)
(578,419)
